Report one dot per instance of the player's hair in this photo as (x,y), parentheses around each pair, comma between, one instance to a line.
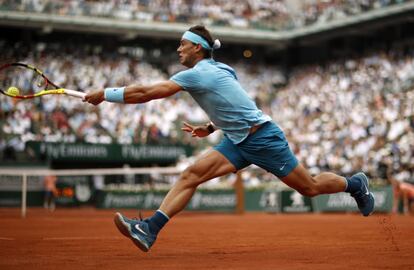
(204,33)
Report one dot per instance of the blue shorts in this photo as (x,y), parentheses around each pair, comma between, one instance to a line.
(266,148)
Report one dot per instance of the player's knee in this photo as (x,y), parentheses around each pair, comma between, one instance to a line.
(189,178)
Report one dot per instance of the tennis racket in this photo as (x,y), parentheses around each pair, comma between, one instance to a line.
(22,81)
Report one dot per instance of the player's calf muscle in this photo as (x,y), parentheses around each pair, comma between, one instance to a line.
(309,191)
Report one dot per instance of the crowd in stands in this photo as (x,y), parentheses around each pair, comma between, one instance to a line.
(260,14)
(359,110)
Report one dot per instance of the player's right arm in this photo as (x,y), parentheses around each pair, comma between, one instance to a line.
(141,94)
(135,93)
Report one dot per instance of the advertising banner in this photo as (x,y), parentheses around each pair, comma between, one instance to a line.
(217,200)
(294,202)
(108,152)
(342,202)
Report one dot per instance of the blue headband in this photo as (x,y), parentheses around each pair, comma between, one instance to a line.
(194,38)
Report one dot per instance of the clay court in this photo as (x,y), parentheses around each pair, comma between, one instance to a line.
(87,239)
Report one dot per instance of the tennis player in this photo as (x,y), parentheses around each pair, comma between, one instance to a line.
(250,137)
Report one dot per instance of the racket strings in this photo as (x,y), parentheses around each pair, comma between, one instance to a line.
(27,81)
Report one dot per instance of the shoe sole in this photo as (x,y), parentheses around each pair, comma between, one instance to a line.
(370,193)
(125,229)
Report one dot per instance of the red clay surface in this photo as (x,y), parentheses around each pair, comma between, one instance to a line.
(87,239)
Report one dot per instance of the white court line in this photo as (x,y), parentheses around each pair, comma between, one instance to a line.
(6,239)
(79,238)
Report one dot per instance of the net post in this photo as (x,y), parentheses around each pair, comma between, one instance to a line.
(239,189)
(24,195)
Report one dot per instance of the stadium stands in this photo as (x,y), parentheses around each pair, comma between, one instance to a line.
(260,14)
(354,109)
(359,110)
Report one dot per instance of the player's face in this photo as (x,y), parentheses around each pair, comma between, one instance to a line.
(187,53)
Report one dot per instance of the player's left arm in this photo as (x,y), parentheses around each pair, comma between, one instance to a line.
(136,93)
(199,131)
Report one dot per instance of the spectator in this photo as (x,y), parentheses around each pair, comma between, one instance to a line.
(50,192)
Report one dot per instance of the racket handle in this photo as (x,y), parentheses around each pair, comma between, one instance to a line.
(74,93)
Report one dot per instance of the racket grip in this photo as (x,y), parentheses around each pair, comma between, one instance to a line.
(74,93)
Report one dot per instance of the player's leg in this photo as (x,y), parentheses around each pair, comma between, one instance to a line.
(143,233)
(411,199)
(396,199)
(324,183)
(210,166)
(269,149)
(52,202)
(405,202)
(45,201)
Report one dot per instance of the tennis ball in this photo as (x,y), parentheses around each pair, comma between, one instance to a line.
(13,91)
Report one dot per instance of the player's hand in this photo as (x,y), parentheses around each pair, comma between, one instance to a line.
(95,97)
(196,131)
